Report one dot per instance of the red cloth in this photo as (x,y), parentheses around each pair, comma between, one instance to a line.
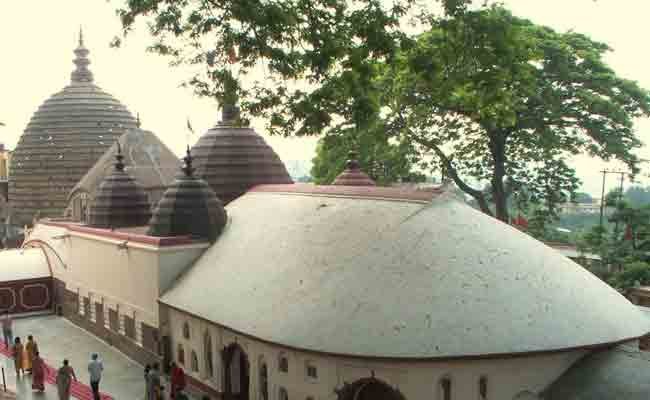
(77,389)
(177,380)
(38,374)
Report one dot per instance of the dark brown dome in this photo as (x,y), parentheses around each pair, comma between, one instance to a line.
(232,158)
(119,202)
(188,207)
(64,138)
(352,175)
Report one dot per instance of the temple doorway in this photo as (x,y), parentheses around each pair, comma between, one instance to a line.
(237,373)
(369,389)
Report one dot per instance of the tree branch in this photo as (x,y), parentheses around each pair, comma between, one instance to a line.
(453,173)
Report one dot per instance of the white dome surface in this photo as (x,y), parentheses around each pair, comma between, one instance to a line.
(397,279)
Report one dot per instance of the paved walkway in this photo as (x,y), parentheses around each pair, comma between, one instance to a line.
(57,339)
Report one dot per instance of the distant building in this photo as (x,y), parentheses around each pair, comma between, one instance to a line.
(580,208)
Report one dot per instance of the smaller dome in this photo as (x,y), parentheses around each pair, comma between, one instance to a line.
(119,202)
(352,175)
(188,207)
(233,158)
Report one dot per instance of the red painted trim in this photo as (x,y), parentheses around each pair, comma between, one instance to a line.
(372,192)
(412,359)
(126,236)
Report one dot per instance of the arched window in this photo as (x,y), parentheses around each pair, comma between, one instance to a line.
(195,362)
(445,388)
(264,380)
(282,394)
(283,363)
(186,331)
(482,388)
(207,352)
(181,354)
(311,370)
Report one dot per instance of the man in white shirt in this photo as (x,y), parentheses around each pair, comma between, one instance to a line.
(95,368)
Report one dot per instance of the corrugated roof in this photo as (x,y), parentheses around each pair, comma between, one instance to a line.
(403,279)
(16,265)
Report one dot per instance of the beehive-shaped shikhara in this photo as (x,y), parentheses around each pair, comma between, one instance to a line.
(64,138)
(234,158)
(120,201)
(189,207)
(352,175)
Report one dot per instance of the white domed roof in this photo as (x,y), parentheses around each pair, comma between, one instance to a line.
(357,271)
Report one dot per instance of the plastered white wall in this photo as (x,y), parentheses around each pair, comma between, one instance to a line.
(416,380)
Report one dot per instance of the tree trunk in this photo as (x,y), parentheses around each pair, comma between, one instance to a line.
(498,150)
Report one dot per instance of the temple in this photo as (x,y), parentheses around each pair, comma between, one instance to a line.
(262,288)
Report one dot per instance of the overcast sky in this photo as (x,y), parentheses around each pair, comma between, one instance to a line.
(37,39)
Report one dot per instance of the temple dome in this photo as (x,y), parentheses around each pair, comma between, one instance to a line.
(64,138)
(189,207)
(119,202)
(233,158)
(353,175)
(395,273)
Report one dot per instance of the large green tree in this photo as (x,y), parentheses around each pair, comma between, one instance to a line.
(303,65)
(499,99)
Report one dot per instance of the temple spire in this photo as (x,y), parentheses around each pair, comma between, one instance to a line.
(188,169)
(119,164)
(81,74)
(229,109)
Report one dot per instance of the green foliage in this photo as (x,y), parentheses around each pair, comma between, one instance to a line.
(635,272)
(382,160)
(582,197)
(327,45)
(625,247)
(492,97)
(496,97)
(638,196)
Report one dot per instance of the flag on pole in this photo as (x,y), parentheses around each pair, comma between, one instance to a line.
(189,126)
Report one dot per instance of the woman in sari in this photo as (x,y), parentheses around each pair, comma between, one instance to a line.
(38,373)
(64,380)
(18,356)
(31,348)
(177,380)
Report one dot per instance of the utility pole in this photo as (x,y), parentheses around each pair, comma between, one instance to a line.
(602,199)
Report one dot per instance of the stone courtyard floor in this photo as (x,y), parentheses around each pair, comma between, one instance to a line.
(57,339)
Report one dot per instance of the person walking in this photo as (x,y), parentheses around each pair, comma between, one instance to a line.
(64,378)
(38,373)
(7,329)
(155,387)
(18,354)
(95,368)
(177,380)
(31,348)
(147,387)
